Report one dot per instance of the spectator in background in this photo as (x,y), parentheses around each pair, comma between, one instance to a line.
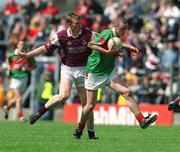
(154,6)
(162,7)
(11,8)
(62,25)
(99,24)
(163,32)
(18,70)
(134,19)
(2,46)
(43,33)
(82,9)
(169,10)
(50,10)
(29,9)
(39,5)
(111,10)
(20,28)
(96,26)
(95,7)
(168,29)
(176,3)
(168,57)
(37,23)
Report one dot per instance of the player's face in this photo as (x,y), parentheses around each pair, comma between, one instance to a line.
(20,45)
(75,24)
(121,29)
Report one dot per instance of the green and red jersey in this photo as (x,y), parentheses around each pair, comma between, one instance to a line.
(20,68)
(101,64)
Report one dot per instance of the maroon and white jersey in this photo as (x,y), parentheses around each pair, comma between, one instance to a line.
(74,51)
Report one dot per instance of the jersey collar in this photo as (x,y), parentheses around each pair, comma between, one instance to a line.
(70,34)
(114,31)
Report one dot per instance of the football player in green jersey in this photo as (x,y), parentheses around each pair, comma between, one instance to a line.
(18,71)
(101,71)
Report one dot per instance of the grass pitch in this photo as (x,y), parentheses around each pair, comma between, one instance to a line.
(57,137)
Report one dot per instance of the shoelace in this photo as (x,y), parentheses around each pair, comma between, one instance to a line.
(149,114)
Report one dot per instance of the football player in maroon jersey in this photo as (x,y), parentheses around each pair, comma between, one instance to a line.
(72,43)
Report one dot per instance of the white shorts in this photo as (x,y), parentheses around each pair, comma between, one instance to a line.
(75,74)
(19,83)
(93,82)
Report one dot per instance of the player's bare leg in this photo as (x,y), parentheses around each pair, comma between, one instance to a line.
(18,99)
(64,93)
(87,110)
(7,107)
(120,87)
(10,103)
(90,120)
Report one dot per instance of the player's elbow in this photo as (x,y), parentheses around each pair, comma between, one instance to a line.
(90,45)
(127,93)
(43,48)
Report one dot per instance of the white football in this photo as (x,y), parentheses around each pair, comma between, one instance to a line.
(115,43)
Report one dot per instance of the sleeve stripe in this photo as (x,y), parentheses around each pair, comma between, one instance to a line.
(52,44)
(102,40)
(54,40)
(50,47)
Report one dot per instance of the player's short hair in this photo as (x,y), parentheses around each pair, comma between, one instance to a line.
(122,22)
(70,16)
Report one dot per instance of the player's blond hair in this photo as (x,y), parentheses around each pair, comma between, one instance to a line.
(121,22)
(70,16)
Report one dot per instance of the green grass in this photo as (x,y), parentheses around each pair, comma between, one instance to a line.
(57,137)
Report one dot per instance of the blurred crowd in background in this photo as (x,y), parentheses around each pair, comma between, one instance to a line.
(153,75)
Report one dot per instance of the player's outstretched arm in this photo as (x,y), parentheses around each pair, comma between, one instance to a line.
(134,50)
(97,46)
(35,52)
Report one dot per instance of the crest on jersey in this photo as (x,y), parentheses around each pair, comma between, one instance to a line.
(84,42)
(69,42)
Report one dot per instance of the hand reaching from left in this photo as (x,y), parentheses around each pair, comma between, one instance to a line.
(21,55)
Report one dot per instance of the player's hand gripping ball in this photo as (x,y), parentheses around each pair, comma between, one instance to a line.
(114,44)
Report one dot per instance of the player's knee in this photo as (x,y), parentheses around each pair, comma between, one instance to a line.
(91,106)
(18,98)
(83,104)
(127,93)
(63,97)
